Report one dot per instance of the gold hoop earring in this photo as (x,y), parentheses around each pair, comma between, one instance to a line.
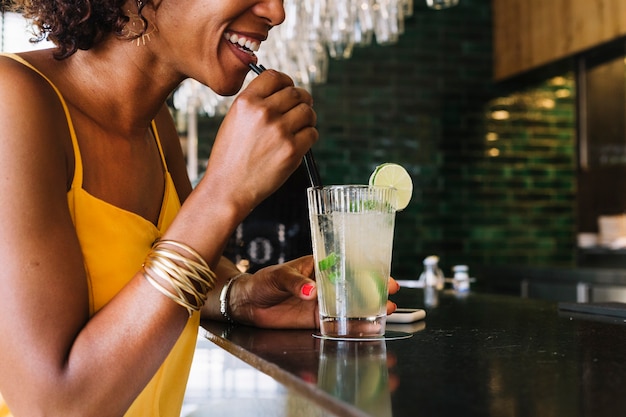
(138,27)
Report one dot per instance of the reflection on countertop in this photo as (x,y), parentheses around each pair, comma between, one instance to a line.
(221,384)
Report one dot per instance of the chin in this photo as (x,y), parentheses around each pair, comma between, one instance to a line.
(228,90)
(229,93)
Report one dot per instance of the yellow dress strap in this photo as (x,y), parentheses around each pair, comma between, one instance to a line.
(77,181)
(155,132)
(4,410)
(78,163)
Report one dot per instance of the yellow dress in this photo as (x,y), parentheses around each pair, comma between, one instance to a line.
(114,243)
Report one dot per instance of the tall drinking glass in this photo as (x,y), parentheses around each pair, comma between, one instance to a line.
(352,231)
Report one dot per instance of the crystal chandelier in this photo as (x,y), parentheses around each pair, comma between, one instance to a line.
(314,31)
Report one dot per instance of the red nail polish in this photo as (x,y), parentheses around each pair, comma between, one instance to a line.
(307,289)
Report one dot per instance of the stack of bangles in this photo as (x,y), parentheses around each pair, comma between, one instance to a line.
(189,278)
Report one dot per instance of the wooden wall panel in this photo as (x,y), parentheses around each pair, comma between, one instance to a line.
(531,33)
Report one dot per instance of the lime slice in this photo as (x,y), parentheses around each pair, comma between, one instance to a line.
(371,288)
(394,175)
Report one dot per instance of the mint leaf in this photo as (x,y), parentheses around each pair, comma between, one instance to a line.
(328,262)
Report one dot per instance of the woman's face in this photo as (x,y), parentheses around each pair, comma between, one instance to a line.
(212,41)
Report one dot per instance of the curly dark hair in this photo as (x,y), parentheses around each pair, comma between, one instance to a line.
(75,24)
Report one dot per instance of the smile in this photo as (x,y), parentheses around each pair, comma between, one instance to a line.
(248,46)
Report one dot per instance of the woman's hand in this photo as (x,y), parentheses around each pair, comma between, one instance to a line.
(282,296)
(393,287)
(262,140)
(278,296)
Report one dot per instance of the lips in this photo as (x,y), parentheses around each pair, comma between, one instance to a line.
(247,45)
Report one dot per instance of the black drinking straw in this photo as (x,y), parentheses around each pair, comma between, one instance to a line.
(309,161)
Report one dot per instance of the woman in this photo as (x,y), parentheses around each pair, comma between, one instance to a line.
(109,257)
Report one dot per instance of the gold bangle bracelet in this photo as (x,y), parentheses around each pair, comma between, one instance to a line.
(178,280)
(189,279)
(200,266)
(178,300)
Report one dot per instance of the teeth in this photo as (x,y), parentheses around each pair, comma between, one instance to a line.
(253,46)
(242,42)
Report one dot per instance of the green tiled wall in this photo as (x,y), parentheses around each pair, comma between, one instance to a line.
(427,103)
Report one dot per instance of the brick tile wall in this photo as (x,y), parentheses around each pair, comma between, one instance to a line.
(427,103)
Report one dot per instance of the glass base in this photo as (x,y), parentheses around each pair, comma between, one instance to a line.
(389,335)
(353,328)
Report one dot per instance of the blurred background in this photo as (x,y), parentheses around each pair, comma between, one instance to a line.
(509,116)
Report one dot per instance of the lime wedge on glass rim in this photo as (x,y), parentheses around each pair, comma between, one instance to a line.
(394,175)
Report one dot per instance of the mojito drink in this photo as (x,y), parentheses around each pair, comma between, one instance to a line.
(352,230)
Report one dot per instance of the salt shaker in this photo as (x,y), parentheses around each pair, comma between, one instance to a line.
(432,280)
(461,281)
(432,275)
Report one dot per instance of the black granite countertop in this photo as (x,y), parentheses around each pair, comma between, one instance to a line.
(478,355)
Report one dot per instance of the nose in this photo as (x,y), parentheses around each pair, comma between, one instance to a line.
(272,10)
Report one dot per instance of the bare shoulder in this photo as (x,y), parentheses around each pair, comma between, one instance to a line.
(21,84)
(35,133)
(170,141)
(36,148)
(29,103)
(36,163)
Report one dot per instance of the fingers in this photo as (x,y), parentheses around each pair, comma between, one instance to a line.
(293,103)
(304,265)
(301,121)
(268,82)
(290,97)
(308,291)
(296,106)
(393,286)
(301,284)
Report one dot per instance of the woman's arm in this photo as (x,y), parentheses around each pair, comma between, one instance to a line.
(53,357)
(265,281)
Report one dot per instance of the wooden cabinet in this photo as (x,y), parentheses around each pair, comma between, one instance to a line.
(532,33)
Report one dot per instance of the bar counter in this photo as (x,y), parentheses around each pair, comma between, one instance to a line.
(473,355)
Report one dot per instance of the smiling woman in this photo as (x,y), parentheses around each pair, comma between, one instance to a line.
(110,258)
